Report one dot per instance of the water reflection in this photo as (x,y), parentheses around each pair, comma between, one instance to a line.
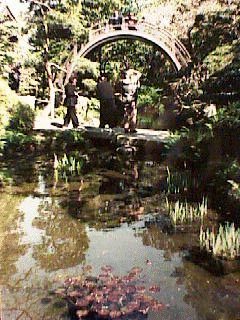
(212,297)
(63,245)
(161,235)
(113,195)
(11,247)
(112,213)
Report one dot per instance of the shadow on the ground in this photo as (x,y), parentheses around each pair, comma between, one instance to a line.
(58,125)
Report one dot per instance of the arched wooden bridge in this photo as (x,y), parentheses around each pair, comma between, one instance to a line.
(143,31)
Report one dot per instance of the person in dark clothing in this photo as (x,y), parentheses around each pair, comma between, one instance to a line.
(107,102)
(70,102)
(14,78)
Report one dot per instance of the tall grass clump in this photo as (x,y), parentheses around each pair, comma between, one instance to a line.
(184,213)
(224,244)
(178,182)
(68,166)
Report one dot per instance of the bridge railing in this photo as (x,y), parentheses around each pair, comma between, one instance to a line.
(168,39)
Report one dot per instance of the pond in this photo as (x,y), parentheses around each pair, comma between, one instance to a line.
(112,213)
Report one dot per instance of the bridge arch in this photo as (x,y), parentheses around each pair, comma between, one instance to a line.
(145,32)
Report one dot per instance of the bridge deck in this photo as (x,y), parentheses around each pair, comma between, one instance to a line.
(146,140)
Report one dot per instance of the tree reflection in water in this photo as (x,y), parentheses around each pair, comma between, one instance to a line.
(10,235)
(64,241)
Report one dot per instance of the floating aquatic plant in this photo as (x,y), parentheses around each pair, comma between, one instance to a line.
(68,165)
(225,243)
(183,212)
(110,296)
(178,182)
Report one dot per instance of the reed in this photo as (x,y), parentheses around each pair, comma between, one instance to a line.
(184,213)
(225,243)
(178,182)
(68,165)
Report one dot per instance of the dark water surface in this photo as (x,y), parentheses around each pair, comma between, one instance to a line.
(112,214)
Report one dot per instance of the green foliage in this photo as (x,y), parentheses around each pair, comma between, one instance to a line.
(60,112)
(196,140)
(92,111)
(145,121)
(22,118)
(94,11)
(172,140)
(149,106)
(5,177)
(235,189)
(228,116)
(183,212)
(93,104)
(179,182)
(17,141)
(8,52)
(137,53)
(89,85)
(87,68)
(224,244)
(149,96)
(69,137)
(224,68)
(53,29)
(226,178)
(215,29)
(219,58)
(8,99)
(68,165)
(29,80)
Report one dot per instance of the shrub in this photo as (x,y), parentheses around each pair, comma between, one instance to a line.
(17,141)
(150,96)
(8,99)
(69,138)
(89,85)
(226,178)
(22,118)
(87,68)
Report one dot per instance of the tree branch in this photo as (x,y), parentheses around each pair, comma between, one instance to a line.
(41,4)
(52,64)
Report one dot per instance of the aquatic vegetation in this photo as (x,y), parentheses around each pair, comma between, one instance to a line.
(225,243)
(109,296)
(235,189)
(178,182)
(68,165)
(183,212)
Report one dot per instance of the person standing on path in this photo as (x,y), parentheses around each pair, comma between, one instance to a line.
(106,96)
(70,102)
(130,85)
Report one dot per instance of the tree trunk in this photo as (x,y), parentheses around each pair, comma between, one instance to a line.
(71,65)
(52,91)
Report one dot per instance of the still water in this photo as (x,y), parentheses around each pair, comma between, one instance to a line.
(112,213)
